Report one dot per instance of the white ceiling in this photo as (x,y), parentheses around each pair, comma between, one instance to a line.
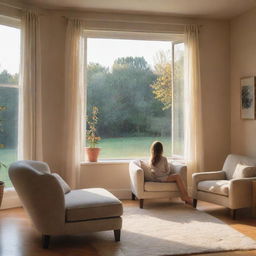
(195,8)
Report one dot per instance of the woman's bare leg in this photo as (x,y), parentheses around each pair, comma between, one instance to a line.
(181,187)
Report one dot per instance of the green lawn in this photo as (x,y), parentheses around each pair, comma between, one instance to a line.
(131,147)
(114,148)
(7,156)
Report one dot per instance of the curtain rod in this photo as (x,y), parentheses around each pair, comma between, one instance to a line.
(22,7)
(17,6)
(130,21)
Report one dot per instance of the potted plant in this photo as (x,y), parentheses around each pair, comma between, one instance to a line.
(1,184)
(91,136)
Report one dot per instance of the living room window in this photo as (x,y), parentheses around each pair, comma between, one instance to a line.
(138,86)
(9,94)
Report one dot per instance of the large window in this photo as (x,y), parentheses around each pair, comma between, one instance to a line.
(137,86)
(9,96)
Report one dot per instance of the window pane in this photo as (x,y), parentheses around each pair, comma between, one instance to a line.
(178,99)
(9,96)
(130,81)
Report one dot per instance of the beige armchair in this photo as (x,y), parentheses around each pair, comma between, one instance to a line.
(149,190)
(57,210)
(227,187)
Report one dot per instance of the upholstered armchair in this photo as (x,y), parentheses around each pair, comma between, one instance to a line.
(57,210)
(143,189)
(230,187)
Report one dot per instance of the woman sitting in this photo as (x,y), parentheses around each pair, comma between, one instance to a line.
(160,171)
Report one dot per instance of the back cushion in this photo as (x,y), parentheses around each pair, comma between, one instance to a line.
(65,187)
(233,160)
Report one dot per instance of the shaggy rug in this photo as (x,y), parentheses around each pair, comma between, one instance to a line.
(170,229)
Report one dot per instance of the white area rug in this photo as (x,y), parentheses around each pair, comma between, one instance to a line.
(170,229)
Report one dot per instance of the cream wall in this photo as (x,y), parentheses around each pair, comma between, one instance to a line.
(53,29)
(111,176)
(214,46)
(214,49)
(243,63)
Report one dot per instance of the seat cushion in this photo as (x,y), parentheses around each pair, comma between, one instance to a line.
(160,186)
(92,203)
(219,187)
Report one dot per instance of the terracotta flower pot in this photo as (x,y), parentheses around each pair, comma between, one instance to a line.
(1,191)
(92,154)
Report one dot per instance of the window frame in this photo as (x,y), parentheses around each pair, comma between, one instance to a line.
(173,61)
(107,34)
(12,23)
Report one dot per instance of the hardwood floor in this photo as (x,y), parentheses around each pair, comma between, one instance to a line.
(19,238)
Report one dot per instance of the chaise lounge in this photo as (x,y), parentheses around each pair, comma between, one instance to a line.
(57,210)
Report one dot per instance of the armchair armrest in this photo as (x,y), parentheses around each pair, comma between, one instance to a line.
(240,192)
(197,177)
(180,169)
(136,178)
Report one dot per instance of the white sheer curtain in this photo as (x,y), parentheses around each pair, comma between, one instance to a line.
(74,100)
(193,105)
(30,107)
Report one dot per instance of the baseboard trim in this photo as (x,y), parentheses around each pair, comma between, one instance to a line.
(121,193)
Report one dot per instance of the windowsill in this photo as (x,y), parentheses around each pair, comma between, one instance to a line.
(126,161)
(106,161)
(10,199)
(9,189)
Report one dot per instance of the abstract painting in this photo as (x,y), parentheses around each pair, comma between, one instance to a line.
(248,97)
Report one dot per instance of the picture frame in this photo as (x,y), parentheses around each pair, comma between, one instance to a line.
(247,97)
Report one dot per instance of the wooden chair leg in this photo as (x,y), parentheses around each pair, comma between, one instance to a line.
(46,241)
(141,203)
(133,196)
(233,213)
(117,234)
(194,202)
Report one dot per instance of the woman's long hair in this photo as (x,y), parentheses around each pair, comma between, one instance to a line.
(156,151)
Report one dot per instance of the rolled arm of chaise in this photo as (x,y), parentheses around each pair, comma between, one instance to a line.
(202,176)
(137,179)
(240,193)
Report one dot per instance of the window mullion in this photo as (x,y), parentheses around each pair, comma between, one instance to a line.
(172,127)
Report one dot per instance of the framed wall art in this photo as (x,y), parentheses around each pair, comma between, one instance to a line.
(247,97)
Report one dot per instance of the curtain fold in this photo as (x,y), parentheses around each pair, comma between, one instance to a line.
(74,101)
(194,153)
(30,100)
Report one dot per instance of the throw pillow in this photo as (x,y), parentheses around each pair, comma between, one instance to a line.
(148,175)
(65,187)
(171,168)
(244,171)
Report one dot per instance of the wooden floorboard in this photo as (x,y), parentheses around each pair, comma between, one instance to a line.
(19,238)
